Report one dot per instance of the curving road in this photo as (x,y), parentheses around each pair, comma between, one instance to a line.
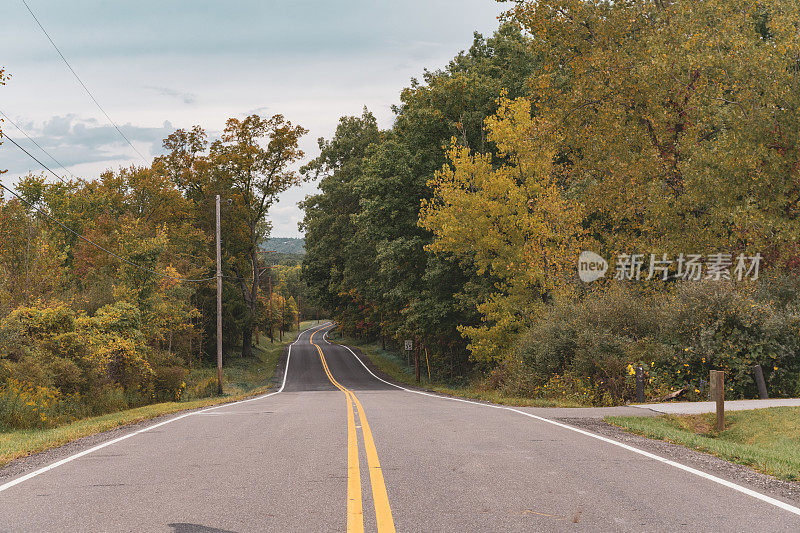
(337,449)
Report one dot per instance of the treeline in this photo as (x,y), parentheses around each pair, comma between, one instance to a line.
(107,288)
(366,259)
(632,130)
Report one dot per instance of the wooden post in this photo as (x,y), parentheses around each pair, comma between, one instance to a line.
(717,381)
(639,384)
(219,303)
(760,383)
(427,362)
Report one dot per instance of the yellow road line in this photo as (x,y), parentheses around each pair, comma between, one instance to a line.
(355,511)
(383,512)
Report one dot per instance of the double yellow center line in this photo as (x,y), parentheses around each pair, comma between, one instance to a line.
(355,511)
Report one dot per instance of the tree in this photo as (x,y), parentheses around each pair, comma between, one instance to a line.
(328,223)
(184,162)
(256,175)
(677,121)
(511,218)
(368,262)
(650,127)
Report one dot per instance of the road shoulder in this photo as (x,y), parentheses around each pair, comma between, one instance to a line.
(702,461)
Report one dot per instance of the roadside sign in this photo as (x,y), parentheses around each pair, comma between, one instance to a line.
(409,345)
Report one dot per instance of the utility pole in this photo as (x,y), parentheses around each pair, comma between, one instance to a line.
(283,315)
(27,255)
(271,339)
(219,304)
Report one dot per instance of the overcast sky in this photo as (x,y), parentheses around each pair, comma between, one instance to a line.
(160,65)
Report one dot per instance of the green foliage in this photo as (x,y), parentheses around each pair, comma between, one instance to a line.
(84,331)
(731,328)
(58,365)
(592,343)
(366,261)
(677,337)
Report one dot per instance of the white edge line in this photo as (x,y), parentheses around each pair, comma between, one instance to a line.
(100,446)
(764,498)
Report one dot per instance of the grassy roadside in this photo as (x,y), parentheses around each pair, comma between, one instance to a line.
(767,440)
(243,378)
(394,365)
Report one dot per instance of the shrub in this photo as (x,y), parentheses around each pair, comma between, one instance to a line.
(730,327)
(204,388)
(591,344)
(24,405)
(677,336)
(170,382)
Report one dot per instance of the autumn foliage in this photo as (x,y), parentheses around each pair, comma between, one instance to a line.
(114,304)
(656,127)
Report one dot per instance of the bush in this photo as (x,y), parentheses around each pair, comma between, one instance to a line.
(732,328)
(24,405)
(677,336)
(204,388)
(170,382)
(58,365)
(590,345)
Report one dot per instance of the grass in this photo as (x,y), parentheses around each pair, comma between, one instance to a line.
(395,366)
(767,440)
(243,378)
(242,375)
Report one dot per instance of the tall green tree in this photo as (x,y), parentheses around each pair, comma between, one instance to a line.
(387,282)
(255,156)
(328,221)
(650,127)
(249,166)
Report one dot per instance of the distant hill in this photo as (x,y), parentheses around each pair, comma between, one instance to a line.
(286,245)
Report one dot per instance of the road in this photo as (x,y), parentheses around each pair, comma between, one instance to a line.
(339,450)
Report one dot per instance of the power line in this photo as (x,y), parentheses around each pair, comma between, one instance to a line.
(81,237)
(38,145)
(85,88)
(34,158)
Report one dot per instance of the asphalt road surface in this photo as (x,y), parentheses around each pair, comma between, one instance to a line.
(339,450)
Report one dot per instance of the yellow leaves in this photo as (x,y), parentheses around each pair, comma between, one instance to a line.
(509,217)
(167,282)
(24,405)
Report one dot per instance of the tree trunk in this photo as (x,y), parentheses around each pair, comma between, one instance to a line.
(250,295)
(247,341)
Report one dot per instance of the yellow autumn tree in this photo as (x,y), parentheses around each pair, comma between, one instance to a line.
(677,119)
(511,218)
(656,126)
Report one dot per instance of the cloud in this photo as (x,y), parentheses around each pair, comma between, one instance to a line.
(73,140)
(185,97)
(257,111)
